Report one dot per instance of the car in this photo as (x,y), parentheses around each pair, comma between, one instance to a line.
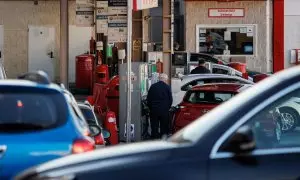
(213,59)
(203,98)
(222,144)
(180,87)
(36,124)
(290,111)
(91,119)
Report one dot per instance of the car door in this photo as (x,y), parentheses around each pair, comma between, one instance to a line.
(276,155)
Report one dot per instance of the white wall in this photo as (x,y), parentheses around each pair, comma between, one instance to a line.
(291,28)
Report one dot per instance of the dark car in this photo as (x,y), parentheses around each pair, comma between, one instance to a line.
(222,144)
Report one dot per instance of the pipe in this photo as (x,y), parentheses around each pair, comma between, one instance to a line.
(64,43)
(129,51)
(268,41)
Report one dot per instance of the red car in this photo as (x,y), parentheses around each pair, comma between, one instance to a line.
(203,98)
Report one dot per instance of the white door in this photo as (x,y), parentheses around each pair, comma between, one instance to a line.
(78,44)
(41,54)
(1,43)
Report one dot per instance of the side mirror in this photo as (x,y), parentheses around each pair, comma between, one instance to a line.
(95,130)
(241,142)
(105,133)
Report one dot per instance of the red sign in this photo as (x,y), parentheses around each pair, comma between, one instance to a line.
(144,4)
(226,12)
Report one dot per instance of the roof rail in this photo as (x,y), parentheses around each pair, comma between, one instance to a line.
(38,76)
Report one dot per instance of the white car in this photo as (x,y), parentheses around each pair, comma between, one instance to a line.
(181,85)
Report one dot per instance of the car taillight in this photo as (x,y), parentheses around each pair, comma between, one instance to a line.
(82,145)
(99,140)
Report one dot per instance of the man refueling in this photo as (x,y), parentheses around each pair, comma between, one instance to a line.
(159,101)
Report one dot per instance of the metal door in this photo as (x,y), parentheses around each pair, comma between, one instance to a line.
(41,49)
(78,44)
(1,43)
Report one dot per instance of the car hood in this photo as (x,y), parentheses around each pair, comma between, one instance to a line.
(109,157)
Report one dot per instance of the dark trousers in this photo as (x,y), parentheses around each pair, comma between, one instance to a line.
(159,121)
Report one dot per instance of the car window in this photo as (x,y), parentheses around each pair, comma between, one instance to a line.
(26,110)
(219,71)
(276,126)
(209,97)
(88,114)
(79,115)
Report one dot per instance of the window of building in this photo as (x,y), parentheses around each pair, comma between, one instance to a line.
(226,39)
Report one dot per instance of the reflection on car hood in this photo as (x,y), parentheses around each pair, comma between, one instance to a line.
(119,151)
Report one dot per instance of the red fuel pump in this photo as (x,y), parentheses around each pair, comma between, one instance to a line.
(240,67)
(102,74)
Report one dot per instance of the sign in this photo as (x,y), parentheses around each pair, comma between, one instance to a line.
(226,12)
(117,7)
(84,16)
(144,4)
(101,17)
(100,4)
(131,132)
(85,2)
(117,29)
(137,44)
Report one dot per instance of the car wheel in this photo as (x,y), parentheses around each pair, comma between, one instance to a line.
(289,119)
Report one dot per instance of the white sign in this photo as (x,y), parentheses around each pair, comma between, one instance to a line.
(100,4)
(117,7)
(117,29)
(84,16)
(144,4)
(85,2)
(102,26)
(226,12)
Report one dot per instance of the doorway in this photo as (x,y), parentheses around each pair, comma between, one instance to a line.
(41,49)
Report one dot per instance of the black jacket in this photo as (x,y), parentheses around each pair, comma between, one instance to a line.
(200,70)
(159,97)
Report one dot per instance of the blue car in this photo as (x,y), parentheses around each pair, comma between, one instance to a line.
(37,125)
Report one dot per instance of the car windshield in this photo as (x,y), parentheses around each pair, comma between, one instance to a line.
(209,97)
(29,110)
(88,114)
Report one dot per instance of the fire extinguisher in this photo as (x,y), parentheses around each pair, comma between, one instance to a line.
(92,45)
(159,66)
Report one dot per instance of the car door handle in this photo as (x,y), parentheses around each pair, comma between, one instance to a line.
(50,54)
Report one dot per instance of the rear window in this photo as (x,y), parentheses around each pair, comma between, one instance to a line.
(209,97)
(27,109)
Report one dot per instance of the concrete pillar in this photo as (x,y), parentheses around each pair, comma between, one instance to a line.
(167,36)
(64,42)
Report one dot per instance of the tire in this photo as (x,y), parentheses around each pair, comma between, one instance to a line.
(291,119)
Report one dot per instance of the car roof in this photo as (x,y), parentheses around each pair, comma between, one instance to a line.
(192,77)
(82,105)
(225,87)
(27,83)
